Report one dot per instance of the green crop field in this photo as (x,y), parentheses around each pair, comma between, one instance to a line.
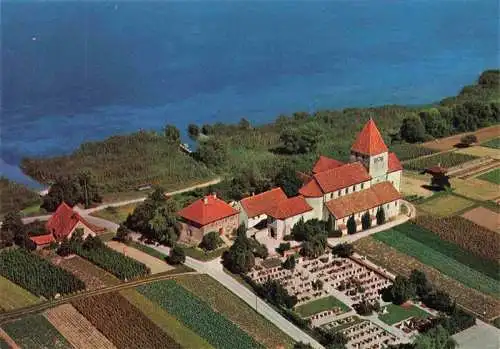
(407,151)
(426,254)
(35,332)
(319,305)
(231,306)
(492,176)
(168,323)
(197,315)
(448,159)
(13,296)
(493,143)
(397,313)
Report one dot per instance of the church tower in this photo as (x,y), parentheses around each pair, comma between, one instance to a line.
(370,149)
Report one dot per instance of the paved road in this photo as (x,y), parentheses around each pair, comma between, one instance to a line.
(112,227)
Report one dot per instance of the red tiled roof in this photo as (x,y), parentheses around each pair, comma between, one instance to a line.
(342,177)
(42,239)
(64,220)
(378,194)
(369,141)
(393,163)
(289,208)
(256,205)
(304,177)
(436,170)
(325,164)
(311,189)
(207,210)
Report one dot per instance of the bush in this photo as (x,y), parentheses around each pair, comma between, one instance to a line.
(343,250)
(176,256)
(211,241)
(468,140)
(284,246)
(289,263)
(335,233)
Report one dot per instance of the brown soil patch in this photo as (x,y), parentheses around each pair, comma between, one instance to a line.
(76,328)
(399,263)
(449,142)
(154,264)
(484,217)
(413,186)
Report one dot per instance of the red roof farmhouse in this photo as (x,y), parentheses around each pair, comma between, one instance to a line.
(205,215)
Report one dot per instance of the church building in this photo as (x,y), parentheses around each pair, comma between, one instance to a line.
(369,182)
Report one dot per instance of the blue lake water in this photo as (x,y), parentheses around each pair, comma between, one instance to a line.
(79,71)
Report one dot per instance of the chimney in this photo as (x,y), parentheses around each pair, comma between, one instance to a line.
(253,193)
(214,194)
(439,164)
(205,200)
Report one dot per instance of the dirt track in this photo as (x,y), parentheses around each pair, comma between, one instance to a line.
(449,142)
(156,265)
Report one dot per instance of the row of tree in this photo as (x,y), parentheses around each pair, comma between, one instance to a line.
(240,258)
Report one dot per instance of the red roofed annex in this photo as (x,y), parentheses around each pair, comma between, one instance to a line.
(205,215)
(253,209)
(65,221)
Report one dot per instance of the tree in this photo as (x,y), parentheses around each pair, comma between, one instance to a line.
(436,338)
(65,248)
(434,123)
(212,153)
(172,133)
(289,263)
(244,124)
(440,182)
(6,238)
(331,339)
(468,140)
(273,291)
(419,280)
(314,247)
(176,255)
(351,225)
(13,229)
(89,190)
(239,258)
(81,188)
(288,181)
(490,78)
(401,290)
(412,130)
(207,129)
(122,234)
(211,241)
(284,246)
(299,140)
(193,131)
(305,231)
(343,250)
(380,216)
(366,220)
(364,308)
(330,225)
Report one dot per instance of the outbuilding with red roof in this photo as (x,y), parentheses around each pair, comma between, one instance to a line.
(284,215)
(63,223)
(253,209)
(205,215)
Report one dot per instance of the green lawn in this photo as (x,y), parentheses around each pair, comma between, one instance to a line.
(13,296)
(439,255)
(444,205)
(35,332)
(493,143)
(115,214)
(197,315)
(320,305)
(199,254)
(492,176)
(397,313)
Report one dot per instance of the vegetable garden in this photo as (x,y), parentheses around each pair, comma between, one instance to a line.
(122,323)
(37,275)
(407,151)
(469,236)
(449,159)
(35,332)
(399,238)
(123,267)
(197,315)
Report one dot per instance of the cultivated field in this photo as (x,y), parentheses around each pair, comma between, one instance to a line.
(319,305)
(483,217)
(445,205)
(492,176)
(6,342)
(197,315)
(154,264)
(414,186)
(493,143)
(462,232)
(399,263)
(416,242)
(406,151)
(13,296)
(481,152)
(93,276)
(232,307)
(35,332)
(447,143)
(475,188)
(168,323)
(449,159)
(77,330)
(122,323)
(398,313)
